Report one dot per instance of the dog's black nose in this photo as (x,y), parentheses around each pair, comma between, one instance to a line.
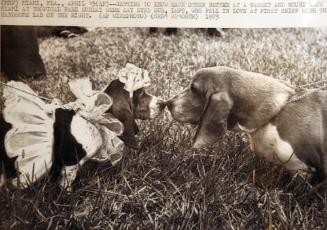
(162,105)
(169,104)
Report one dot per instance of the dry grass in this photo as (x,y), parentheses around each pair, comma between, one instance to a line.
(168,185)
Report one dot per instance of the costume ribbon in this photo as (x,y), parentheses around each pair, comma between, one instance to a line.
(134,78)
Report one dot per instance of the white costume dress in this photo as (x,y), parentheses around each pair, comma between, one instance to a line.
(31,137)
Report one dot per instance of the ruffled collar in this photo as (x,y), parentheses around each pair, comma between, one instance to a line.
(93,106)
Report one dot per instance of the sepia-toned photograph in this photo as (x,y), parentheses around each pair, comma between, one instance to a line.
(163,128)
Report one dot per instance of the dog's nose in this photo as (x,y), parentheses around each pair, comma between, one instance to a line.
(169,104)
(162,105)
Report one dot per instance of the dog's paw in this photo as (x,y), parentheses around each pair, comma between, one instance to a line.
(68,175)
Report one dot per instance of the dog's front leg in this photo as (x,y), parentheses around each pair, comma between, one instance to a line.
(67,176)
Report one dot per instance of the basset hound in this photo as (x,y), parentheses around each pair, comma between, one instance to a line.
(141,106)
(67,139)
(285,125)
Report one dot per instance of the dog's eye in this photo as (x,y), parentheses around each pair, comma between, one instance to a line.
(139,93)
(194,89)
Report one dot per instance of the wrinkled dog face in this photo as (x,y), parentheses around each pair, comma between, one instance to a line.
(126,110)
(206,103)
(187,106)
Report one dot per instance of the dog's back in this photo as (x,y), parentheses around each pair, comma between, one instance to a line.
(303,123)
(296,137)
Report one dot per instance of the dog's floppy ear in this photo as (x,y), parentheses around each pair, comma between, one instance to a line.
(123,111)
(136,128)
(213,121)
(130,130)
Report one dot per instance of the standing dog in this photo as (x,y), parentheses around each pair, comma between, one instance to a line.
(286,126)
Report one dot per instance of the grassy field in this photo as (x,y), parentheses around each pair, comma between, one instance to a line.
(166,184)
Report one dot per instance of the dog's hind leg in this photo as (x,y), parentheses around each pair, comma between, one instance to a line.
(67,176)
(319,179)
(323,177)
(323,157)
